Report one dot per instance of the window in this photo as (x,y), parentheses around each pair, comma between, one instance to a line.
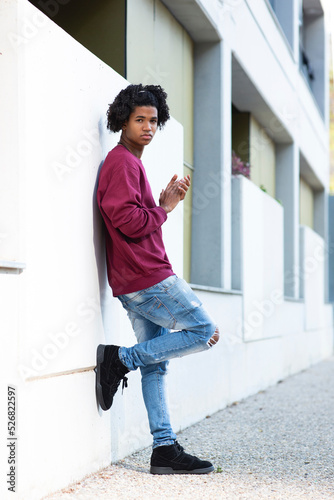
(252,144)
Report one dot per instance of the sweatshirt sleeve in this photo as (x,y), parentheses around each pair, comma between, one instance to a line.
(121,201)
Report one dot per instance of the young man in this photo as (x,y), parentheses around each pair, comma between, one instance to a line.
(168,319)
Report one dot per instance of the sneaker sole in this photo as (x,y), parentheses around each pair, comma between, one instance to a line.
(98,386)
(169,470)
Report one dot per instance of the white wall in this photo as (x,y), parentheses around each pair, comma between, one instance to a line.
(60,307)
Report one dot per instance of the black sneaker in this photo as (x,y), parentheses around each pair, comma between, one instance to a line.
(109,373)
(172,459)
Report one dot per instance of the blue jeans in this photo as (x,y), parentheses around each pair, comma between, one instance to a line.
(169,321)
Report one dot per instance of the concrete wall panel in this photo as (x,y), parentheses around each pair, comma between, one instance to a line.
(261,258)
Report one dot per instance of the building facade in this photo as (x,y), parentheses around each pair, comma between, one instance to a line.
(248,86)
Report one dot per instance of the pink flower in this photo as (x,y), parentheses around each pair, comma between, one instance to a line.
(239,167)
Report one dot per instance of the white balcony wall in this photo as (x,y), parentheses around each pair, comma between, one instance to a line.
(60,307)
(312,275)
(258,219)
(273,335)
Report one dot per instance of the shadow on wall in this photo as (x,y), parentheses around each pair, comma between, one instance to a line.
(99,238)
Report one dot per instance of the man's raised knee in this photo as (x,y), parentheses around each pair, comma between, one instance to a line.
(214,339)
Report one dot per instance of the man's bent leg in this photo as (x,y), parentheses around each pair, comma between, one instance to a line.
(199,333)
(215,337)
(170,304)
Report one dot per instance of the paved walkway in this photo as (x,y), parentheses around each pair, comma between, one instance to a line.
(277,444)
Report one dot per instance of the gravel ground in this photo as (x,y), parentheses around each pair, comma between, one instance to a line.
(277,444)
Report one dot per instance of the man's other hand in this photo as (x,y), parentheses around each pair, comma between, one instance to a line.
(174,192)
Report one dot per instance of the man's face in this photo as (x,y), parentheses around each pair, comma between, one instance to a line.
(141,125)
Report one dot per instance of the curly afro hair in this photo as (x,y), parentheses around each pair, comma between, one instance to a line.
(137,95)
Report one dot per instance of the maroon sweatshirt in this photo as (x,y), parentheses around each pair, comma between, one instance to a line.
(136,256)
